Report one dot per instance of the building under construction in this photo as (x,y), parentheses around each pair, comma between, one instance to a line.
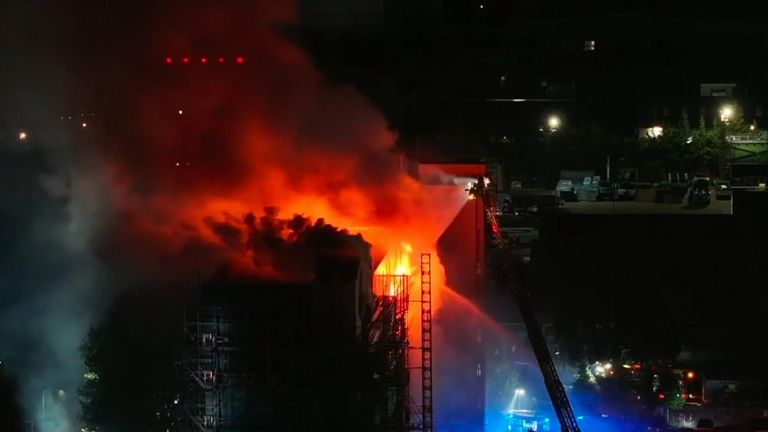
(322,355)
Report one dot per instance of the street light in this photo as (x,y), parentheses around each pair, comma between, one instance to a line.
(22,136)
(554,123)
(43,415)
(520,392)
(726,113)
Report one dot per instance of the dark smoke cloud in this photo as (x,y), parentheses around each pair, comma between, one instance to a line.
(280,249)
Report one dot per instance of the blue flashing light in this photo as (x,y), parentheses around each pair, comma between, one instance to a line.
(546,419)
(580,418)
(604,415)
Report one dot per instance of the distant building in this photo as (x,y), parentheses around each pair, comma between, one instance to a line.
(749,159)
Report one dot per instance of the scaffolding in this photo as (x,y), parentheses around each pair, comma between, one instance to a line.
(204,365)
(426,342)
(390,343)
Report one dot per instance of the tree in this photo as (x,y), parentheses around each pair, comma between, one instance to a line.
(10,412)
(682,149)
(129,380)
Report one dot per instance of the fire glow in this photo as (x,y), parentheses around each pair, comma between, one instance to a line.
(278,138)
(397,262)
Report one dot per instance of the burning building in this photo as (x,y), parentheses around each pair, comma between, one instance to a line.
(325,353)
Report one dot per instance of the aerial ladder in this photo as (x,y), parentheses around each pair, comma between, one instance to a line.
(485,191)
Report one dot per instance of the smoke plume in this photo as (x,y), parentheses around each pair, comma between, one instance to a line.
(280,249)
(137,172)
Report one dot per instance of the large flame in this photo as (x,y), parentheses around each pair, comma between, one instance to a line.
(396,262)
(195,149)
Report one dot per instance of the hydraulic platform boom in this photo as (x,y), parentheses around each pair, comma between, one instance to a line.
(484,191)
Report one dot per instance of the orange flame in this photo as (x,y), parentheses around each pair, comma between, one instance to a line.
(280,137)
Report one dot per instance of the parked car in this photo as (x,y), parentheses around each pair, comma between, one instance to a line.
(566,190)
(606,191)
(699,192)
(722,189)
(590,188)
(626,191)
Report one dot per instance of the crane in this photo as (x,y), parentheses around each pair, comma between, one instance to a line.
(484,191)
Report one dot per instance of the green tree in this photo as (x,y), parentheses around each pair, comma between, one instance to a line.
(682,149)
(129,380)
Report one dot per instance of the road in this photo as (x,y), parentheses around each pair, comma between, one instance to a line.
(722,207)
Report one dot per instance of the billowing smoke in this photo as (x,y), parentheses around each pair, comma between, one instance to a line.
(280,249)
(136,172)
(190,142)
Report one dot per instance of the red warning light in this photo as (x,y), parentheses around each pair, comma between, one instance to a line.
(168,60)
(221,59)
(662,396)
(204,60)
(185,60)
(239,60)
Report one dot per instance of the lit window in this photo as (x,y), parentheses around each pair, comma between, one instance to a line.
(589,45)
(208,340)
(209,377)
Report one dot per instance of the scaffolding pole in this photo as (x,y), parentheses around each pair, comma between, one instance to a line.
(426,342)
(391,324)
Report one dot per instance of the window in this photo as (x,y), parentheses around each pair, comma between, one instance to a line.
(589,45)
(209,377)
(717,89)
(208,340)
